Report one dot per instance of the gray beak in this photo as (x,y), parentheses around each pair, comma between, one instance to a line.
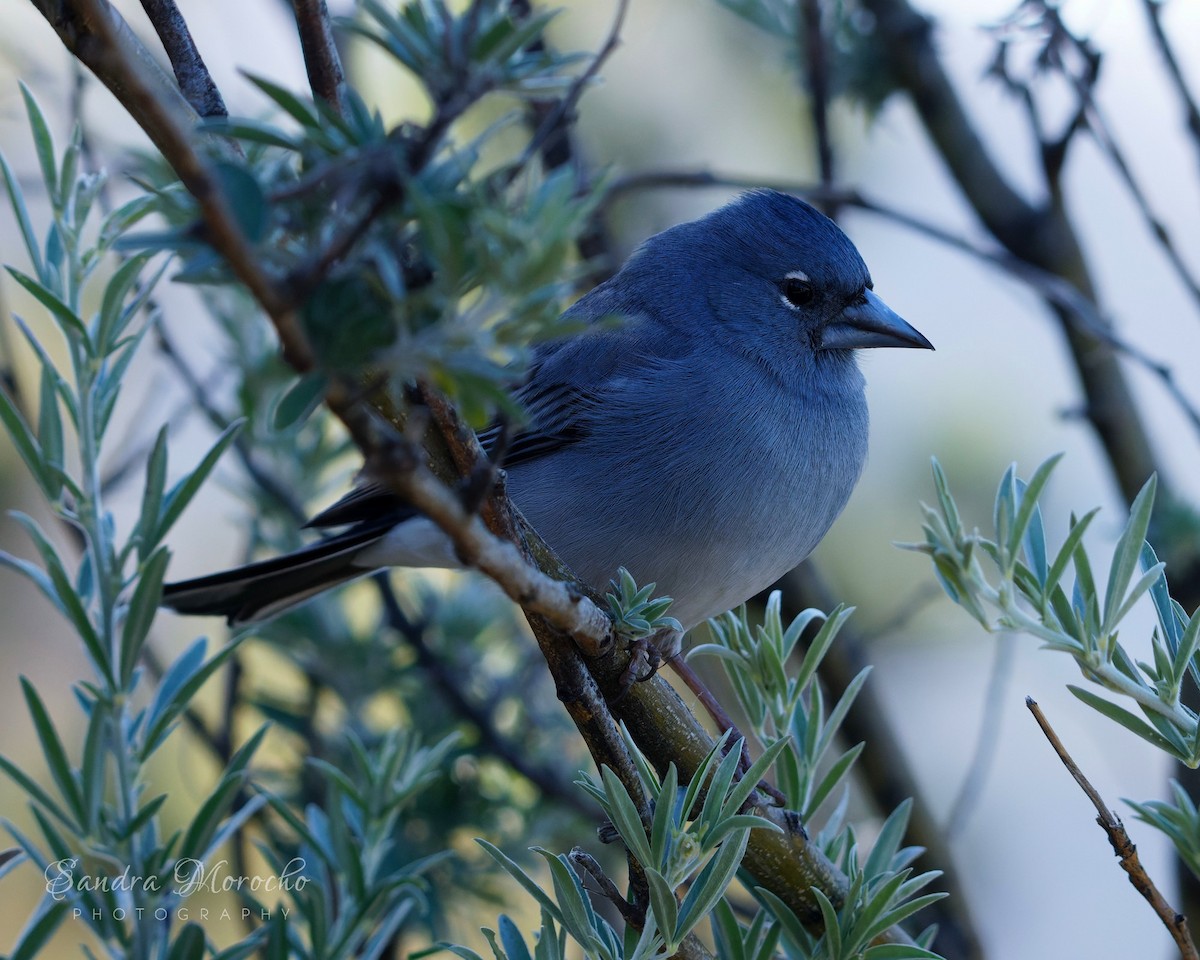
(870,324)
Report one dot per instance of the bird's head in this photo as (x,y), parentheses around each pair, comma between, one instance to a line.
(776,272)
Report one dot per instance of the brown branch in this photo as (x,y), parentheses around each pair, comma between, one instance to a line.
(1122,846)
(321,59)
(195,82)
(99,38)
(785,862)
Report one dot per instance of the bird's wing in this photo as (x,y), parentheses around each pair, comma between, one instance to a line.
(566,382)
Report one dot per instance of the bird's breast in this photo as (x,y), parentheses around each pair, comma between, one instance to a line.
(709,493)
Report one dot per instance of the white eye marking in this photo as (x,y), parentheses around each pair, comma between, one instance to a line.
(796,275)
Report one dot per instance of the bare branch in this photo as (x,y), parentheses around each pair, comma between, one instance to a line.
(1122,846)
(321,59)
(558,117)
(816,61)
(551,785)
(100,39)
(1191,111)
(195,82)
(1038,235)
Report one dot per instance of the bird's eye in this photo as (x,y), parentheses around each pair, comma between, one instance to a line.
(796,291)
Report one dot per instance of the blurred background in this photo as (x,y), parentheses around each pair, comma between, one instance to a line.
(693,87)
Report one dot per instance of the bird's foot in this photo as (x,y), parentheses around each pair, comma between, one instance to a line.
(646,655)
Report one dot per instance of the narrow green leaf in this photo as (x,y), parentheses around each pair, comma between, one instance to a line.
(152,495)
(750,779)
(301,110)
(300,400)
(887,843)
(664,808)
(837,770)
(510,867)
(821,644)
(72,327)
(41,926)
(727,932)
(92,770)
(625,817)
(43,144)
(664,905)
(50,432)
(178,686)
(181,493)
(142,609)
(189,945)
(1128,550)
(712,881)
(1028,510)
(55,754)
(39,796)
(17,200)
(112,318)
(1128,720)
(1143,584)
(26,445)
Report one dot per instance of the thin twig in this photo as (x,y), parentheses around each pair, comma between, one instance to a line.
(551,786)
(321,60)
(1191,111)
(1122,846)
(195,82)
(562,113)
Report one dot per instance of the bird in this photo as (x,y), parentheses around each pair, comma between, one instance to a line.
(706,442)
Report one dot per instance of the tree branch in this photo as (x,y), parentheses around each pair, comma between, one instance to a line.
(1122,846)
(195,82)
(785,862)
(1041,236)
(321,59)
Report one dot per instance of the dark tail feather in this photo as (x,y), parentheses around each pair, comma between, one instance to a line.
(261,590)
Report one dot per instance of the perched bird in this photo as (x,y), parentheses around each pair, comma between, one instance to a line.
(706,443)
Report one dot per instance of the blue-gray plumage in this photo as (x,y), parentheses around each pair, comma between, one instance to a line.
(707,442)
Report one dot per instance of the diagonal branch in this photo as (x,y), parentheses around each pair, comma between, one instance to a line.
(195,82)
(1122,846)
(1191,111)
(786,862)
(1039,235)
(321,59)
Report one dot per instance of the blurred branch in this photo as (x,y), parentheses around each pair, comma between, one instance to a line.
(195,82)
(1122,846)
(321,58)
(561,115)
(1041,236)
(983,756)
(559,150)
(816,62)
(1072,305)
(1191,112)
(552,786)
(99,38)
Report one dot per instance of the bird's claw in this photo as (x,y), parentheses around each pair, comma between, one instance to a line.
(646,655)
